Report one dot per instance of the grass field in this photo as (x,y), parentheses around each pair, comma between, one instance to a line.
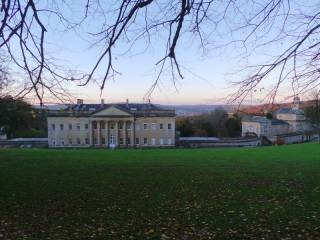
(248,193)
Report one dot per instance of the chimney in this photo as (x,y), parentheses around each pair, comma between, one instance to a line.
(102,102)
(127,102)
(296,102)
(79,101)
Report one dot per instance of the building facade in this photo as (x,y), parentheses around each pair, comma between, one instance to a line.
(112,125)
(289,124)
(263,126)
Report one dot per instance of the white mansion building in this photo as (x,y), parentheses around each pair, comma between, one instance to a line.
(111,125)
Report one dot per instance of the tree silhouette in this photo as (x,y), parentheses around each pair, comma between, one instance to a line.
(291,24)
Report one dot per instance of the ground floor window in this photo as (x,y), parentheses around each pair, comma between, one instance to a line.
(112,139)
(145,141)
(103,140)
(120,140)
(128,141)
(161,141)
(137,141)
(78,141)
(153,141)
(169,141)
(87,140)
(70,141)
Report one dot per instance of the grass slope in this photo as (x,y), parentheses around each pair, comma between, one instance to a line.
(248,193)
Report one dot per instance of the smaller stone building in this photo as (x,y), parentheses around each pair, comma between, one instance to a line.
(289,124)
(263,126)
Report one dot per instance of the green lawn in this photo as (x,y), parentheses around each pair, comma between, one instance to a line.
(248,193)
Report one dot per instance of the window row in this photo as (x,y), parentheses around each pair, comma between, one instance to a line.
(154,126)
(112,140)
(112,125)
(76,126)
(153,141)
(71,141)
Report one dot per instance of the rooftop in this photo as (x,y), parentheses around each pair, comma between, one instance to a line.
(145,109)
(290,111)
(260,119)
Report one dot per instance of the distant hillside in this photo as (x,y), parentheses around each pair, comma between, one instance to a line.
(192,110)
(260,110)
(181,110)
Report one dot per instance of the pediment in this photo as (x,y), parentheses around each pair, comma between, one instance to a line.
(111,111)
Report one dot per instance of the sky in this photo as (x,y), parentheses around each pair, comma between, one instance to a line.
(206,77)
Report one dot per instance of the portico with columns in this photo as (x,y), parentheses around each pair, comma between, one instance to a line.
(108,131)
(111,127)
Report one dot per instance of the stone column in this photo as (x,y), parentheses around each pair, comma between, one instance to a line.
(107,133)
(98,133)
(132,141)
(116,132)
(90,133)
(124,129)
(134,132)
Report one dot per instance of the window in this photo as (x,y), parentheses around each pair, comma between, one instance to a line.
(153,126)
(169,125)
(128,126)
(161,125)
(128,141)
(145,126)
(120,140)
(153,140)
(70,141)
(111,125)
(62,142)
(145,141)
(103,140)
(78,141)
(103,125)
(120,125)
(86,126)
(137,141)
(78,126)
(70,126)
(61,126)
(53,126)
(111,139)
(169,141)
(95,140)
(87,140)
(161,141)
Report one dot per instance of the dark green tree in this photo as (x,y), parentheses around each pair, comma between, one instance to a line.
(185,127)
(233,126)
(313,111)
(18,119)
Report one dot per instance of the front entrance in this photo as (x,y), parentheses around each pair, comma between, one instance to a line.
(112,141)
